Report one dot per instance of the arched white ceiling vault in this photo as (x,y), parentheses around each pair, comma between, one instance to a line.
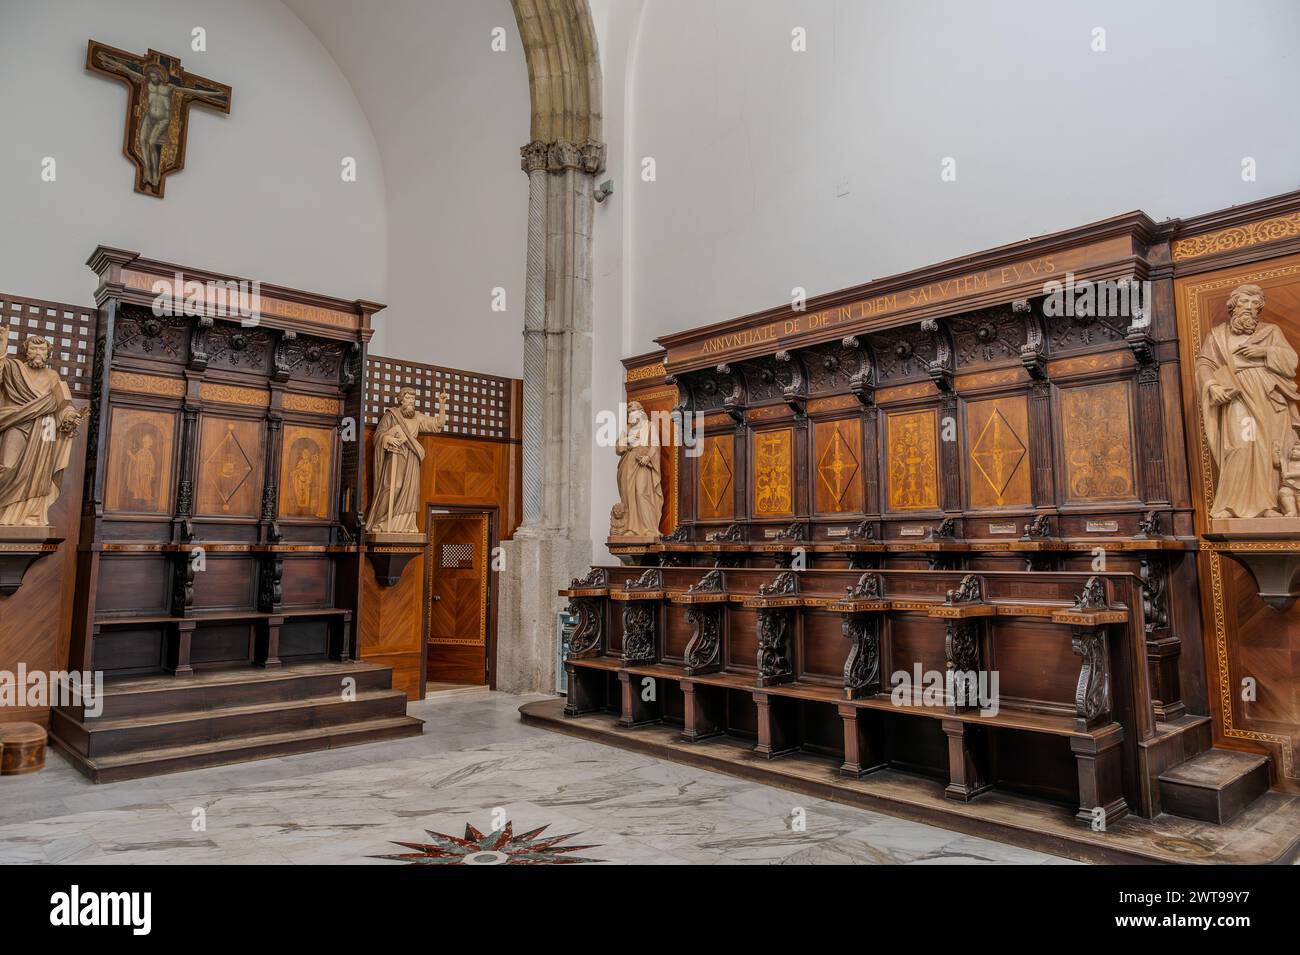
(449,114)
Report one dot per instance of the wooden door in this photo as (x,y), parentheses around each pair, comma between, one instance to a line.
(457,596)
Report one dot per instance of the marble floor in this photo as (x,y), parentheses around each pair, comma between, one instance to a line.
(475,764)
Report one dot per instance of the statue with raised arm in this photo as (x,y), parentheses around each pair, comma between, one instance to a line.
(398,456)
(37,424)
(1245,377)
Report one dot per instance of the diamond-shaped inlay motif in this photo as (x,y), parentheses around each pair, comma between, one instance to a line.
(715,476)
(837,466)
(230,465)
(997,453)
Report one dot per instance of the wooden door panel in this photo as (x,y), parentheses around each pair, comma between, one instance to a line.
(456,564)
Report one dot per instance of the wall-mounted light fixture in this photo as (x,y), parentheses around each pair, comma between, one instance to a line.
(604,190)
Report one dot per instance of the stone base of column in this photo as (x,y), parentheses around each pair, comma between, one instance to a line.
(538,563)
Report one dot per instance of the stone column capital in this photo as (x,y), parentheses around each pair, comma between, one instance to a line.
(561,155)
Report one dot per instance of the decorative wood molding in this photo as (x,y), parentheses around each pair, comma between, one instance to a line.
(147,384)
(1237,237)
(234,395)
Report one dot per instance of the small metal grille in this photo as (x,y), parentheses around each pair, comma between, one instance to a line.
(457,556)
(70,328)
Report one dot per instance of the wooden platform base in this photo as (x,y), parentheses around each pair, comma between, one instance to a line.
(164,724)
(1268,832)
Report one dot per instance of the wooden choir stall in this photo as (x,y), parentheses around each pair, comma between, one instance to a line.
(219,567)
(941,544)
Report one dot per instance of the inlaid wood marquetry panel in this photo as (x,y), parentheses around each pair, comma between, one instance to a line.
(138,478)
(913,468)
(997,452)
(773,484)
(306,464)
(837,459)
(230,467)
(716,473)
(1097,442)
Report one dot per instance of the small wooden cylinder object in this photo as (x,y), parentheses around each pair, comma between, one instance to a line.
(22,748)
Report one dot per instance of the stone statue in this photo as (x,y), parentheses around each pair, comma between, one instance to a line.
(640,489)
(37,424)
(1288,497)
(398,456)
(1245,376)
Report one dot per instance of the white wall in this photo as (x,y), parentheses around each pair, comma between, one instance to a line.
(260,196)
(449,115)
(753,141)
(616,22)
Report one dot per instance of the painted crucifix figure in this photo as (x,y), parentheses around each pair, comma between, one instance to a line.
(158,109)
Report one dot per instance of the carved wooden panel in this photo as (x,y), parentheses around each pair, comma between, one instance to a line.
(987,336)
(773,484)
(716,477)
(1244,639)
(998,462)
(1097,442)
(306,464)
(230,468)
(837,460)
(139,473)
(913,460)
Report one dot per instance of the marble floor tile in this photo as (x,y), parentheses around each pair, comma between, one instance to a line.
(475,763)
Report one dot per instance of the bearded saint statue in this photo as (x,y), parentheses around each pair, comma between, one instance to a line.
(37,424)
(640,490)
(1245,376)
(398,456)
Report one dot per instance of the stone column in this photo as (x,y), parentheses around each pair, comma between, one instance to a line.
(554,541)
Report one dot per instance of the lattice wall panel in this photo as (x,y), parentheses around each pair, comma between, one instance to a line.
(478,404)
(71,329)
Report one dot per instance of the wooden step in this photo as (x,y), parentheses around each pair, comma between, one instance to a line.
(236,686)
(171,759)
(104,737)
(1214,786)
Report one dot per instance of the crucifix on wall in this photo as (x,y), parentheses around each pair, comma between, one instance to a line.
(158,109)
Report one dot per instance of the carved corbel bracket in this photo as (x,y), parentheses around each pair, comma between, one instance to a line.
(795,390)
(270,591)
(860,612)
(1276,572)
(280,367)
(16,556)
(774,665)
(1032,354)
(939,368)
(586,638)
(733,393)
(863,381)
(1092,702)
(680,535)
(199,356)
(390,553)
